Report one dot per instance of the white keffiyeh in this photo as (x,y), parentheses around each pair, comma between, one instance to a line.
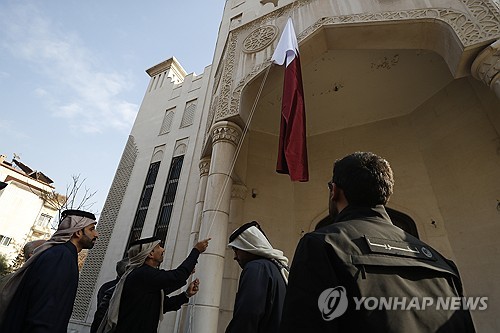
(253,241)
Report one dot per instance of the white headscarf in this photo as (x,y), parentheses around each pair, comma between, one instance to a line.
(137,256)
(254,241)
(68,226)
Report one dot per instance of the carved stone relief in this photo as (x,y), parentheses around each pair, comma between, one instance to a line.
(226,131)
(204,166)
(486,67)
(260,38)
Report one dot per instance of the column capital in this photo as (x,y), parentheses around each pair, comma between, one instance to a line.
(238,191)
(225,131)
(204,166)
(486,67)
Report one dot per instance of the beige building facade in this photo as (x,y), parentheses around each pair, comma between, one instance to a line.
(417,82)
(25,213)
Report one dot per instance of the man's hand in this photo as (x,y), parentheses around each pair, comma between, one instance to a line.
(202,245)
(192,288)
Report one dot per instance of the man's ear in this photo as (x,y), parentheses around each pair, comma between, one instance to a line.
(77,234)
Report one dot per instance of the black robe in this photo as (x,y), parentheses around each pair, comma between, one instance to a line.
(105,287)
(141,295)
(44,300)
(259,300)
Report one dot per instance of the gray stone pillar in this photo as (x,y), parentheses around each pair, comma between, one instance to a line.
(231,268)
(225,138)
(486,67)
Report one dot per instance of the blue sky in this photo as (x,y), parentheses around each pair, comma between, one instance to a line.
(72,77)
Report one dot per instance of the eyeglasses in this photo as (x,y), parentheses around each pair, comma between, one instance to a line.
(330,185)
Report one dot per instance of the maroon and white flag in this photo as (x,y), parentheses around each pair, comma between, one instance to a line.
(292,153)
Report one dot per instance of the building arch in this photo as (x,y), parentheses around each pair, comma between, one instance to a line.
(453,33)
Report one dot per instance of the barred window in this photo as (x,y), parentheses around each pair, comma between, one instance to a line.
(142,209)
(167,202)
(43,220)
(4,240)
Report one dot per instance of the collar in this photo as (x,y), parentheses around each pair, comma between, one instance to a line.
(71,247)
(356,212)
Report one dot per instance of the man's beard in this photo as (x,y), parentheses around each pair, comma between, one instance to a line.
(86,242)
(334,212)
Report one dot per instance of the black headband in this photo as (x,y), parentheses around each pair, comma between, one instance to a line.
(76,212)
(244,227)
(144,241)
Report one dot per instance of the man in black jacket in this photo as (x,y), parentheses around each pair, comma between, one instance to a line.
(140,297)
(362,273)
(262,286)
(105,293)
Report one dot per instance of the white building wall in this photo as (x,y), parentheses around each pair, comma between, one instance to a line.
(185,140)
(20,208)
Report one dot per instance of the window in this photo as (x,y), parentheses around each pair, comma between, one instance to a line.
(43,220)
(167,202)
(142,209)
(4,240)
(167,121)
(188,116)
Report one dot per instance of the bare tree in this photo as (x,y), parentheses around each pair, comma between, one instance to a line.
(77,196)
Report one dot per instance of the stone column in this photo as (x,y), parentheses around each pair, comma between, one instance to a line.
(184,318)
(486,67)
(225,138)
(200,200)
(231,268)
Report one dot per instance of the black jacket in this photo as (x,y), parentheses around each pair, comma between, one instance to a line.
(364,255)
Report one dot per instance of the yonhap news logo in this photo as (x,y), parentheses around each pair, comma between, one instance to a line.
(333,303)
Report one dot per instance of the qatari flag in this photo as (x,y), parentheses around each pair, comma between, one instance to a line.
(292,153)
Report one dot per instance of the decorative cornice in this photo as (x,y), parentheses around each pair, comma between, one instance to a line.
(238,191)
(204,166)
(225,131)
(486,66)
(170,63)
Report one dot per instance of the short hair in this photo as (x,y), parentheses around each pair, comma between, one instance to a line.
(365,178)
